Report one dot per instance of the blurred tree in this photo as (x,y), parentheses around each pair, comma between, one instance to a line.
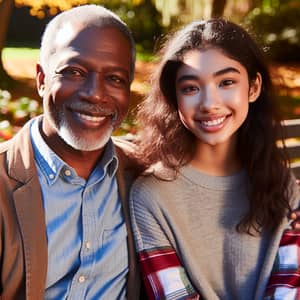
(175,12)
(142,18)
(6,7)
(218,7)
(276,25)
(38,8)
(187,10)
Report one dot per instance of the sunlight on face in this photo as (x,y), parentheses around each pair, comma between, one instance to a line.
(213,95)
(82,143)
(67,32)
(87,91)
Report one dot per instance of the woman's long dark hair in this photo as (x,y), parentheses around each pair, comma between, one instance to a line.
(164,138)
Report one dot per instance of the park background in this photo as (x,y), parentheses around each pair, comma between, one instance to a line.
(274,24)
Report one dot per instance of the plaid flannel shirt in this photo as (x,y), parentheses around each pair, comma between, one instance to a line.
(165,278)
(163,275)
(284,282)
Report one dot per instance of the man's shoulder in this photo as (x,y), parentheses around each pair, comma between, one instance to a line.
(126,151)
(21,137)
(8,145)
(16,157)
(4,146)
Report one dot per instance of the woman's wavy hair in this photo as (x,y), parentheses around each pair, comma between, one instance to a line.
(164,138)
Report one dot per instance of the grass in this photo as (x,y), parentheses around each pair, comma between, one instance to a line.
(144,56)
(15,53)
(33,53)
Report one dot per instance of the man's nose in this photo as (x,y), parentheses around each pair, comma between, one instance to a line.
(94,89)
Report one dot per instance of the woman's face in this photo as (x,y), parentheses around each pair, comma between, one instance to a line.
(213,95)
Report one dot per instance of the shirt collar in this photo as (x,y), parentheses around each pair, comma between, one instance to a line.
(52,165)
(109,160)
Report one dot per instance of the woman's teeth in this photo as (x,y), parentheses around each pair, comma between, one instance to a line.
(213,122)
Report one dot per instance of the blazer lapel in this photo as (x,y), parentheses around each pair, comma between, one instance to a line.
(29,209)
(133,284)
(28,202)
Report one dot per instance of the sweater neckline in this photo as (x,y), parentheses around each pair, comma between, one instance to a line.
(211,181)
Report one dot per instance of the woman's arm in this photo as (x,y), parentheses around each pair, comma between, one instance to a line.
(162,273)
(284,282)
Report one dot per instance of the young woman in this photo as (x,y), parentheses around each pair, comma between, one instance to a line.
(209,217)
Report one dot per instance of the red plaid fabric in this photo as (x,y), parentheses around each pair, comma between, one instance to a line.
(163,275)
(284,282)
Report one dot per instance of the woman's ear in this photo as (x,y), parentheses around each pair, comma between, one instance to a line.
(255,88)
(40,80)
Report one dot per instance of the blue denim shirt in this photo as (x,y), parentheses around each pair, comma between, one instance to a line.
(86,232)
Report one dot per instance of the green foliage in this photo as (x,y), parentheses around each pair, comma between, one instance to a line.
(128,128)
(143,19)
(14,113)
(143,55)
(278,29)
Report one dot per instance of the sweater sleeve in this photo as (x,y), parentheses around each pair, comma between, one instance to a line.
(162,273)
(284,280)
(146,216)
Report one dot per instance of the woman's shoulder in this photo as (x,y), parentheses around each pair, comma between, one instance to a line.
(156,175)
(294,190)
(153,185)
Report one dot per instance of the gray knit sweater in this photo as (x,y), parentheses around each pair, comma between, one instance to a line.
(196,214)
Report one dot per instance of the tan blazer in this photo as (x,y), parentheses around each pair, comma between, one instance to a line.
(23,244)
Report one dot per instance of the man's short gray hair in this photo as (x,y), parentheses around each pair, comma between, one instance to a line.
(86,15)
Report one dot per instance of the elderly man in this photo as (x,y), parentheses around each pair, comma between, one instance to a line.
(64,224)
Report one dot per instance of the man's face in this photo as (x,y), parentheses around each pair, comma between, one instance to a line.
(85,86)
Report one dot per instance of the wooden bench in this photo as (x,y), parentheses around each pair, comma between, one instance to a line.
(292,134)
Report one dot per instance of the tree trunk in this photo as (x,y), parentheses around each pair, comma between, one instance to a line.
(6,7)
(255,3)
(218,7)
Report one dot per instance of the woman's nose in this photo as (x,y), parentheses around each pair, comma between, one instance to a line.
(210,99)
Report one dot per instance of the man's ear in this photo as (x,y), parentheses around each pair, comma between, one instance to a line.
(40,80)
(255,88)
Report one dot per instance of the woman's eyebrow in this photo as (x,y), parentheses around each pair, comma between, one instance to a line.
(215,74)
(186,77)
(226,70)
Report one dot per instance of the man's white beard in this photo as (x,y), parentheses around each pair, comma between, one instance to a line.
(80,143)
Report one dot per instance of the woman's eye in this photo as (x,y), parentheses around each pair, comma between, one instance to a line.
(189,89)
(227,82)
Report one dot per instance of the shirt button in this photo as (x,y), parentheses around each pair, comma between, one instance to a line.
(67,172)
(88,245)
(51,176)
(81,279)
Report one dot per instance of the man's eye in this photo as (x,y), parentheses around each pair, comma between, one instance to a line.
(116,79)
(71,72)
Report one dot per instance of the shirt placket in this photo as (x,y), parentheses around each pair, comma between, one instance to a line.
(84,273)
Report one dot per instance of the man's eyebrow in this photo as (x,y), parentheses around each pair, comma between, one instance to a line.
(86,63)
(226,70)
